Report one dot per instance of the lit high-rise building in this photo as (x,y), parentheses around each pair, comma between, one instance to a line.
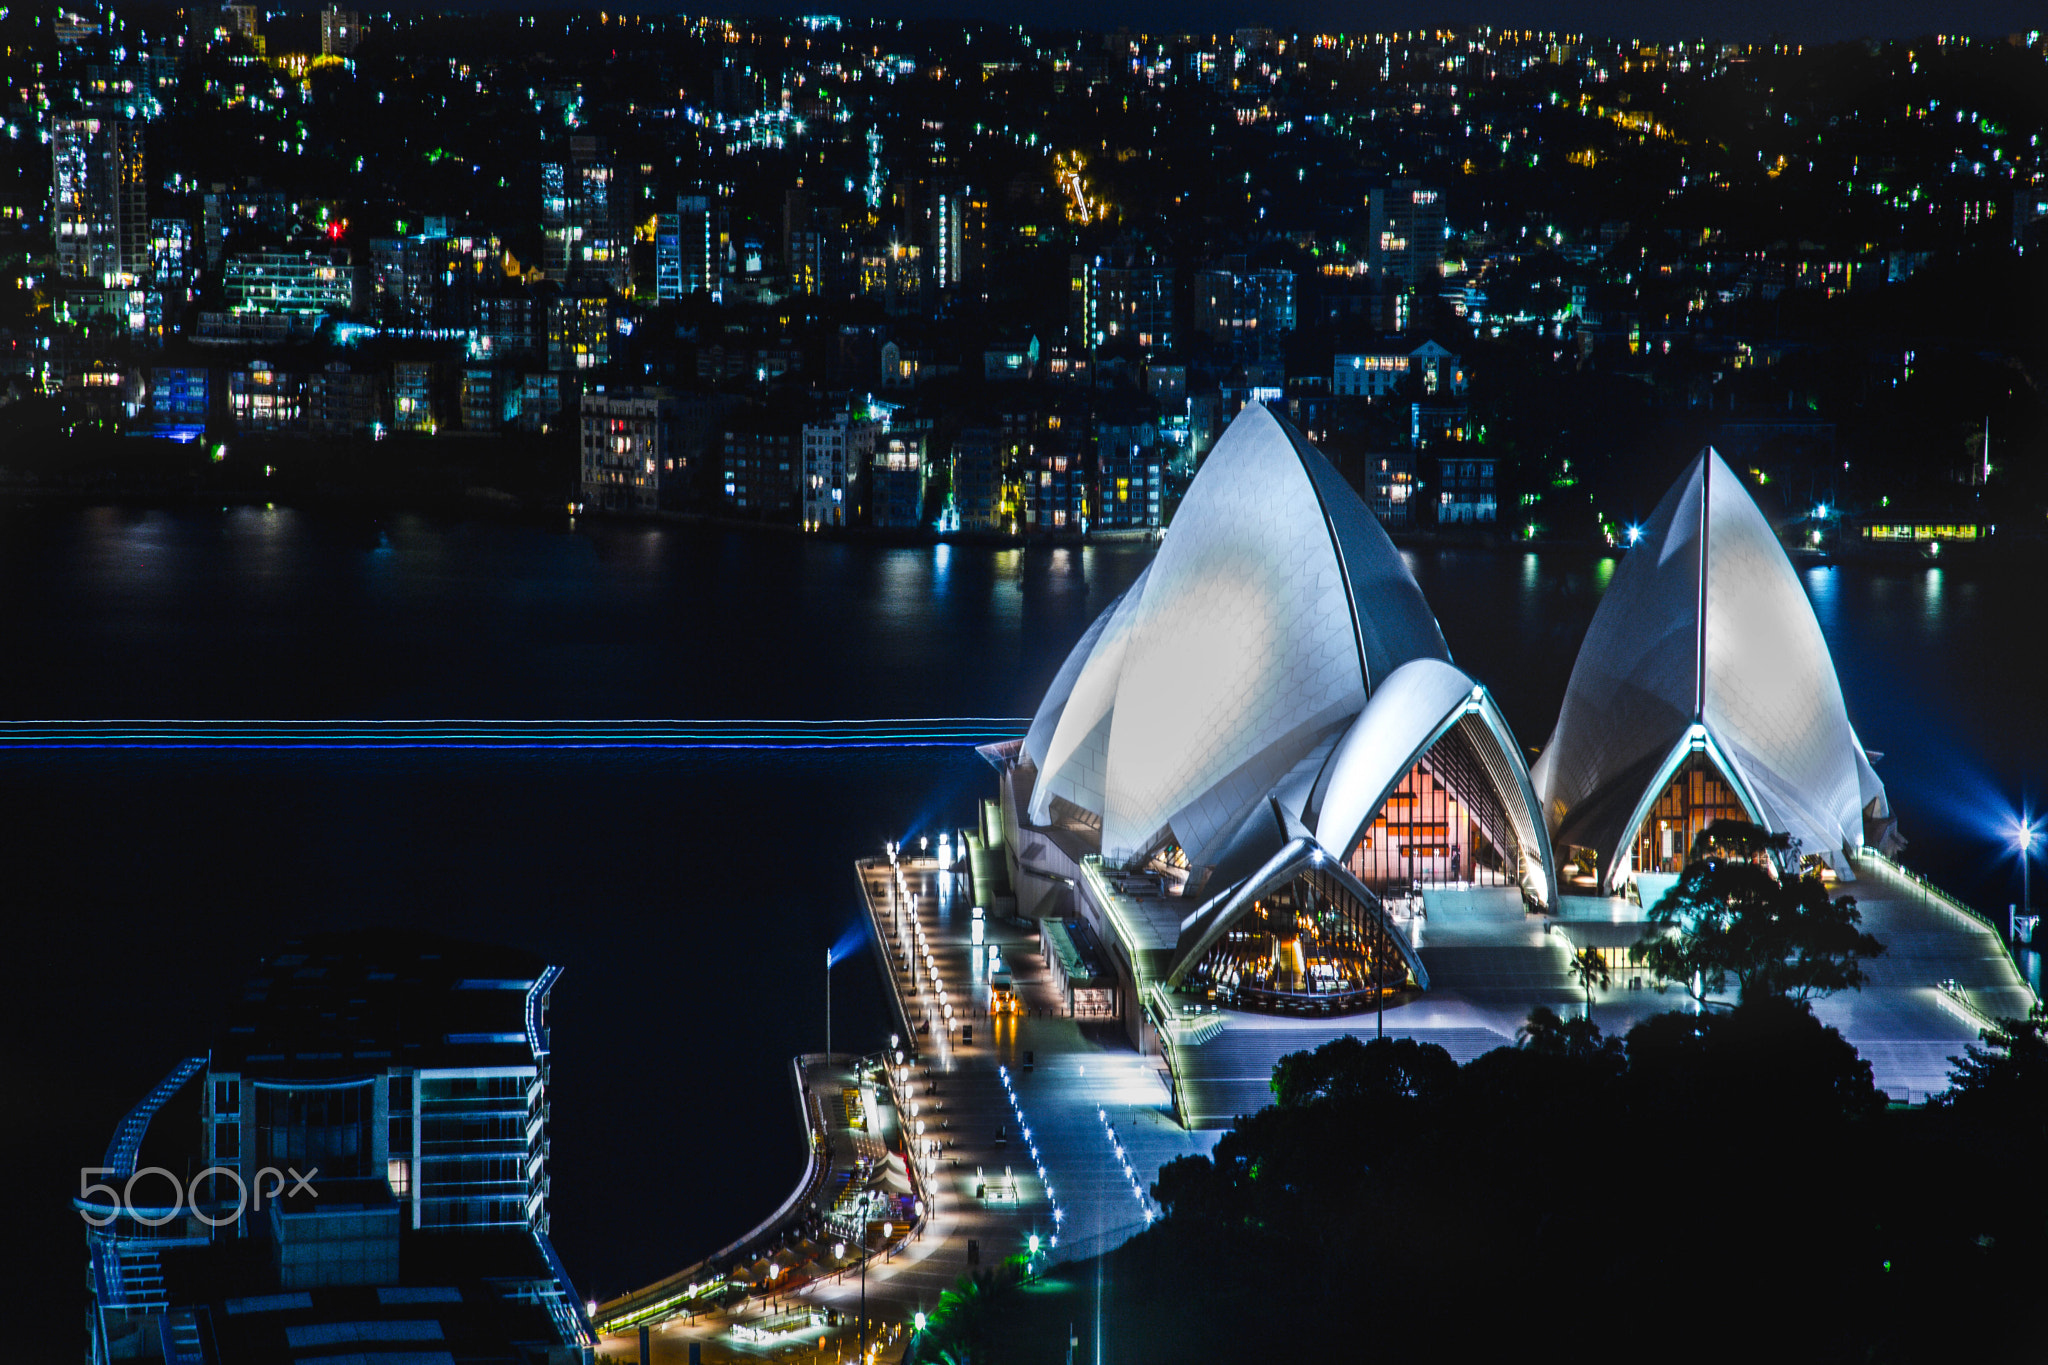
(688,248)
(99,213)
(341,32)
(1407,224)
(583,215)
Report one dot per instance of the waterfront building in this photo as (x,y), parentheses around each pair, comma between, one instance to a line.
(978,461)
(1391,488)
(341,400)
(1129,486)
(899,474)
(1465,490)
(264,400)
(836,456)
(413,406)
(180,396)
(1266,731)
(629,446)
(761,464)
(1704,690)
(367,1149)
(1056,491)
(489,402)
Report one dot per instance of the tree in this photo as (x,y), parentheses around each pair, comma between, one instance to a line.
(1350,1068)
(2006,1080)
(1775,937)
(1589,969)
(1547,1035)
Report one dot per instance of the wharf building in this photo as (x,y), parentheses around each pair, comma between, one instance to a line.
(405,1078)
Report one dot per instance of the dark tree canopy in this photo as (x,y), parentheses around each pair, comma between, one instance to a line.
(1349,1068)
(1776,937)
(2005,1081)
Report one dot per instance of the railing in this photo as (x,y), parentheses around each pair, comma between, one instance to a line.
(886,946)
(1934,895)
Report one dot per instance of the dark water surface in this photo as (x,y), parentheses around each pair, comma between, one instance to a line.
(688,894)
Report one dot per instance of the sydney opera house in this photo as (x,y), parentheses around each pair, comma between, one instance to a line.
(1260,794)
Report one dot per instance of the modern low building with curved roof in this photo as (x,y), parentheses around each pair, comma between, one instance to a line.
(1262,740)
(1704,690)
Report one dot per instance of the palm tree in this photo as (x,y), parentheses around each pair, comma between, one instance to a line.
(1589,969)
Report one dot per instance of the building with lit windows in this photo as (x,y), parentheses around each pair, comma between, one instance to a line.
(99,209)
(1390,488)
(689,245)
(760,463)
(978,465)
(1704,690)
(898,476)
(341,400)
(579,326)
(629,449)
(303,285)
(413,398)
(1465,492)
(1407,227)
(367,1145)
(341,32)
(836,456)
(264,400)
(583,215)
(1128,490)
(1378,374)
(1236,304)
(1108,303)
(1056,491)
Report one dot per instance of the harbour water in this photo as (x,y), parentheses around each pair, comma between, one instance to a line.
(687,892)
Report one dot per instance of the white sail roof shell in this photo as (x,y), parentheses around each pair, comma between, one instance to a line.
(1274,607)
(1706,624)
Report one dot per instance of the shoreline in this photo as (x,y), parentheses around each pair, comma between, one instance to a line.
(495,504)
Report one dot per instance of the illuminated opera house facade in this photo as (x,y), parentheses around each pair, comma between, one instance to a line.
(1704,691)
(1258,744)
(1254,759)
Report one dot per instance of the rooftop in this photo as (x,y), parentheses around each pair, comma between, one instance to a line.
(341,1004)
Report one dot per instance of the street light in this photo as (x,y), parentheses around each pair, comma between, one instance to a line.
(2023,835)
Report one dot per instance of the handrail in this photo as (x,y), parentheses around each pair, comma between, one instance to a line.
(881,940)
